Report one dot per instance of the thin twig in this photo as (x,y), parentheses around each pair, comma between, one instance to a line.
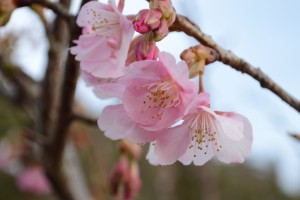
(184,24)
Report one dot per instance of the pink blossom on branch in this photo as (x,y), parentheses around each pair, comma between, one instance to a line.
(157,93)
(202,135)
(102,49)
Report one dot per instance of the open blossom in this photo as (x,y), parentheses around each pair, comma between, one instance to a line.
(102,49)
(157,93)
(202,135)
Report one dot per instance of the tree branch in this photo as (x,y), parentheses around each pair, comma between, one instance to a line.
(55,7)
(184,24)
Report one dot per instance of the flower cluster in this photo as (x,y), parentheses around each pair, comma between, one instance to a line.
(159,101)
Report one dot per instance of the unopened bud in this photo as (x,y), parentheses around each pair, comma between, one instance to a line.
(146,51)
(119,174)
(133,184)
(197,57)
(166,8)
(161,32)
(147,20)
(6,9)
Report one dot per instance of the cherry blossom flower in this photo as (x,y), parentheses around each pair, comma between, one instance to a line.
(157,93)
(102,49)
(202,135)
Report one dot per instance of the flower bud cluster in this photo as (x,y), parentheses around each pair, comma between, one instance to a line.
(154,23)
(157,19)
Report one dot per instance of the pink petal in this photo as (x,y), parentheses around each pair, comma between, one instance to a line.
(189,156)
(109,90)
(231,127)
(86,17)
(91,47)
(107,122)
(102,69)
(172,144)
(202,99)
(232,150)
(116,125)
(151,156)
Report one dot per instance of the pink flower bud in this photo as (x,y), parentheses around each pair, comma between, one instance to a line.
(119,174)
(147,20)
(34,180)
(197,57)
(166,8)
(133,183)
(146,51)
(161,32)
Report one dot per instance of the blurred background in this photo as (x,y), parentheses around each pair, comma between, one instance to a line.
(267,34)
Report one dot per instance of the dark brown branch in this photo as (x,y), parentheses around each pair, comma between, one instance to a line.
(54,150)
(55,7)
(27,88)
(182,23)
(296,136)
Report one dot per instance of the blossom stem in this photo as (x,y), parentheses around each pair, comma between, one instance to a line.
(201,87)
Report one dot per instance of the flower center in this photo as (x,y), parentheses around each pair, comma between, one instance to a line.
(203,132)
(161,95)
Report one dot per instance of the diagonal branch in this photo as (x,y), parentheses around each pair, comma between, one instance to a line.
(55,7)
(184,24)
